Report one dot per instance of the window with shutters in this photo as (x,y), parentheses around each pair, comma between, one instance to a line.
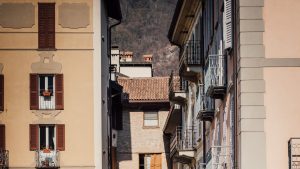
(149,161)
(47,137)
(1,93)
(46,23)
(2,137)
(46,91)
(151,119)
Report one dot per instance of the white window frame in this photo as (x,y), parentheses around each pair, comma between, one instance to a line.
(144,119)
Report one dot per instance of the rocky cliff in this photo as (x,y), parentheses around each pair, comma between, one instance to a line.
(144,30)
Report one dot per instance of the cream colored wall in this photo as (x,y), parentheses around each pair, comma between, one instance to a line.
(282,37)
(134,139)
(77,67)
(282,107)
(136,71)
(281,40)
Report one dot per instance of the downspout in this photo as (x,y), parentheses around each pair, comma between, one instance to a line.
(234,133)
(110,91)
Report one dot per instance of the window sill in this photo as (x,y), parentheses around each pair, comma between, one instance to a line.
(150,127)
(46,49)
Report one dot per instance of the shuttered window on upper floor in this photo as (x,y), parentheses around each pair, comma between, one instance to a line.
(46,23)
(46,92)
(1,93)
(2,137)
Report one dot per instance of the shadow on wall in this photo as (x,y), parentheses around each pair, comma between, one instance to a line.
(167,150)
(124,140)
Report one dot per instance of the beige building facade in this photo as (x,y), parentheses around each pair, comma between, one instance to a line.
(53,58)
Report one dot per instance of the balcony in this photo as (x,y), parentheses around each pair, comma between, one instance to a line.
(4,159)
(182,145)
(219,157)
(177,90)
(190,61)
(207,108)
(215,76)
(294,153)
(47,159)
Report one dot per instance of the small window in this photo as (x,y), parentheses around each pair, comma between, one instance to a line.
(151,119)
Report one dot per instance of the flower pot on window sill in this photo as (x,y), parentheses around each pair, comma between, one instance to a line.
(46,150)
(46,93)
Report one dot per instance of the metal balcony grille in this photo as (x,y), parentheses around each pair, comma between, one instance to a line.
(294,153)
(215,75)
(191,54)
(219,157)
(177,84)
(4,158)
(49,159)
(183,139)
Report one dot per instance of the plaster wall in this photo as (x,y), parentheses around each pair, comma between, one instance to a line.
(136,139)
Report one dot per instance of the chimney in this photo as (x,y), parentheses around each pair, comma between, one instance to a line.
(147,58)
(126,56)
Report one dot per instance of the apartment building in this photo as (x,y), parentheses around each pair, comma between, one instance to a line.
(140,143)
(240,109)
(54,82)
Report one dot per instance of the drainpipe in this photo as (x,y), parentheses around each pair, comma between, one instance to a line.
(110,103)
(234,133)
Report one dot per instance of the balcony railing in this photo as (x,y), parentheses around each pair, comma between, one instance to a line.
(177,89)
(46,99)
(182,139)
(207,107)
(215,76)
(190,61)
(4,159)
(219,157)
(49,159)
(294,153)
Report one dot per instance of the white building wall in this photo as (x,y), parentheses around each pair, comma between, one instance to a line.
(136,71)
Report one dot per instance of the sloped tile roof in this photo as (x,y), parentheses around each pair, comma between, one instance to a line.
(149,89)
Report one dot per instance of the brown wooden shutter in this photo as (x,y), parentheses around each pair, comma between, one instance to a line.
(2,137)
(155,161)
(59,92)
(33,136)
(1,93)
(34,95)
(60,137)
(46,25)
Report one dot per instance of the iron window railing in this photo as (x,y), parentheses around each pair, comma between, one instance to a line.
(183,139)
(216,72)
(47,159)
(4,158)
(294,153)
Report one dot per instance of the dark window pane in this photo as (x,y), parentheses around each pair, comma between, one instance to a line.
(42,84)
(42,137)
(51,138)
(50,83)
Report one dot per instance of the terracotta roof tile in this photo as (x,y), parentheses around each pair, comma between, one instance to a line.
(153,89)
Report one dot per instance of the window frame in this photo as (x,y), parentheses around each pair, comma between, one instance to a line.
(39,136)
(146,126)
(58,91)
